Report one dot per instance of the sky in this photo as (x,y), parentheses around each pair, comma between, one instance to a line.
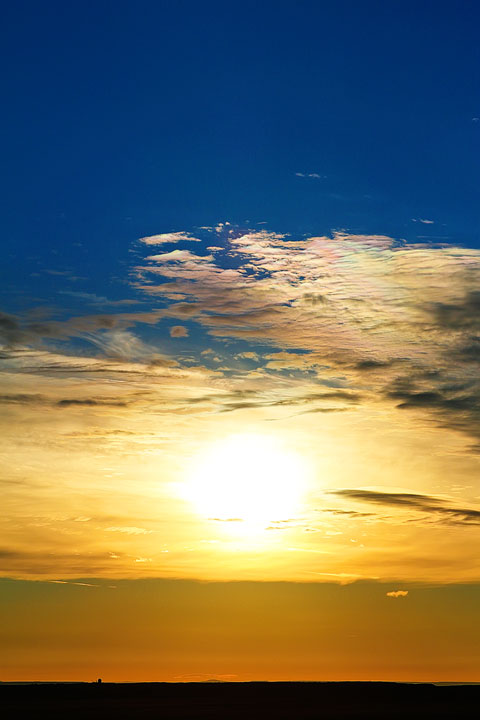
(240,340)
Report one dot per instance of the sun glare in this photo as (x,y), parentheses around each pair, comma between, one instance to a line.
(249,478)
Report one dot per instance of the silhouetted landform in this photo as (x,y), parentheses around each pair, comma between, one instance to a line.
(249,700)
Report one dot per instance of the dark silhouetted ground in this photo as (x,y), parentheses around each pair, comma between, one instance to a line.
(239,700)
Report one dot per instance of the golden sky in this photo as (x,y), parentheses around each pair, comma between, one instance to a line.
(180,630)
(283,410)
(300,411)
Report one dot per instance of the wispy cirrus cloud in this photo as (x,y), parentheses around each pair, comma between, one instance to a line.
(313,175)
(416,502)
(99,300)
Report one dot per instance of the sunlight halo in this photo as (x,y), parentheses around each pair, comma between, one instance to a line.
(250,478)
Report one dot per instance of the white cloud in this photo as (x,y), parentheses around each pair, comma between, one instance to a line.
(310,175)
(121,344)
(249,355)
(172,237)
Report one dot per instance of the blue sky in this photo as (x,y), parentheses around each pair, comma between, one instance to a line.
(122,120)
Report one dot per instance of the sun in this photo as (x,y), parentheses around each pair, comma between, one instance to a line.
(250,478)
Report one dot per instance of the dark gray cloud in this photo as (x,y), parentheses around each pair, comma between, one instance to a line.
(23,399)
(11,331)
(452,399)
(248,399)
(415,501)
(14,331)
(88,402)
(344,396)
(37,399)
(372,364)
(460,315)
(436,399)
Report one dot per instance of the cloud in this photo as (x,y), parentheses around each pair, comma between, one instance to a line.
(245,399)
(178,331)
(372,344)
(348,513)
(27,333)
(9,328)
(70,582)
(227,520)
(94,299)
(125,345)
(13,331)
(23,399)
(78,384)
(38,399)
(129,530)
(397,593)
(399,319)
(310,175)
(172,237)
(463,314)
(417,502)
(90,402)
(248,355)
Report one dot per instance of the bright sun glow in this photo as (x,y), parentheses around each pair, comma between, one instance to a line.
(249,478)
